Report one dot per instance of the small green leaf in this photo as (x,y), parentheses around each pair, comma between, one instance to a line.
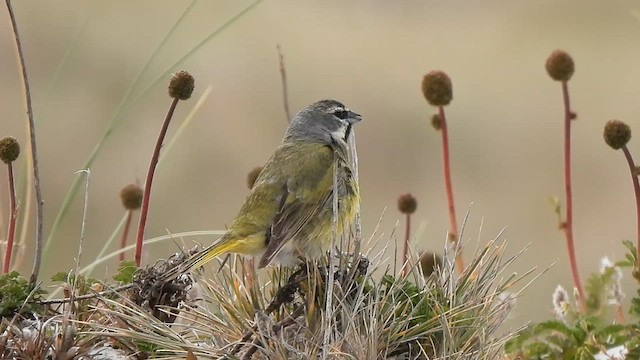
(59,276)
(126,270)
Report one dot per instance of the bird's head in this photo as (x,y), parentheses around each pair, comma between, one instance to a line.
(326,121)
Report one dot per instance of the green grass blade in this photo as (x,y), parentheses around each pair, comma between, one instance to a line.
(187,121)
(218,31)
(113,122)
(147,242)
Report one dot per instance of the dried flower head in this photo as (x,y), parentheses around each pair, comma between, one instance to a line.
(131,196)
(615,287)
(437,88)
(155,293)
(181,85)
(560,303)
(9,149)
(407,204)
(252,176)
(504,303)
(429,262)
(616,134)
(560,66)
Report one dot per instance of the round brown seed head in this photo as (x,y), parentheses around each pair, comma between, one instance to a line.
(436,123)
(252,176)
(131,196)
(437,88)
(560,66)
(616,134)
(9,149)
(181,85)
(407,204)
(429,262)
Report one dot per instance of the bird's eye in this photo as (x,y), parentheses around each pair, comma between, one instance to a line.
(341,114)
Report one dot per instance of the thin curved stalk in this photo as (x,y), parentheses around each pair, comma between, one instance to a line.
(34,153)
(114,121)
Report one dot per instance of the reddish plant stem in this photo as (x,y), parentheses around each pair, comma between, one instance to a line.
(125,234)
(453,231)
(568,226)
(147,186)
(13,212)
(636,188)
(405,251)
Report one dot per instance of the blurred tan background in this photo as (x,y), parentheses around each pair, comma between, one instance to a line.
(505,121)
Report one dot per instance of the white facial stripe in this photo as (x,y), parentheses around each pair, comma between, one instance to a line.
(340,132)
(339,108)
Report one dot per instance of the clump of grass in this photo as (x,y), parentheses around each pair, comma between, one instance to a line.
(374,316)
(42,339)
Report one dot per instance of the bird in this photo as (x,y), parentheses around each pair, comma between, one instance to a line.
(288,213)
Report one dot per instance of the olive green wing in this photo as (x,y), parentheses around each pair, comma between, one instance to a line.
(308,171)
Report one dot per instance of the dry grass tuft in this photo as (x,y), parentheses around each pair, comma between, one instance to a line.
(281,316)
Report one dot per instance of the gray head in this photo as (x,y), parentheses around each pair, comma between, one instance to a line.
(325,121)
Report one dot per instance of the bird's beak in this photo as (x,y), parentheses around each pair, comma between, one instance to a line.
(353,117)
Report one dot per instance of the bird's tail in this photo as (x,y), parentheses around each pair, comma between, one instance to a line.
(211,252)
(222,246)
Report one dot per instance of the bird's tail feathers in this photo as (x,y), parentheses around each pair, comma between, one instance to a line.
(213,251)
(199,259)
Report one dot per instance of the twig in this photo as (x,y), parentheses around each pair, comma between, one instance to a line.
(353,157)
(115,290)
(82,229)
(568,225)
(285,294)
(290,320)
(32,137)
(69,314)
(328,307)
(148,182)
(283,77)
(87,296)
